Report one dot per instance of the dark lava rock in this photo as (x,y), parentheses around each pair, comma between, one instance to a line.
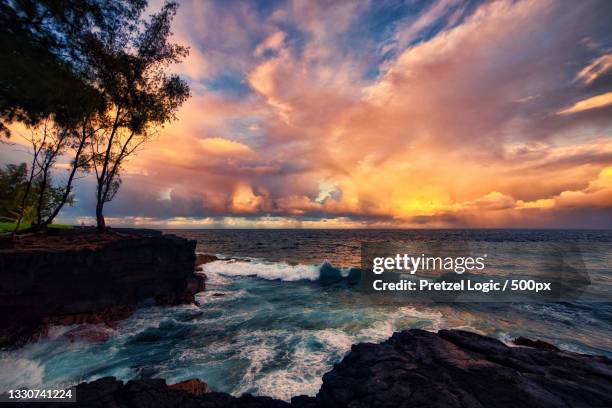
(193,386)
(204,259)
(454,368)
(414,368)
(90,333)
(6,242)
(524,341)
(105,315)
(83,277)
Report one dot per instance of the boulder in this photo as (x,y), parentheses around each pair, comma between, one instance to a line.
(524,341)
(89,333)
(205,258)
(193,386)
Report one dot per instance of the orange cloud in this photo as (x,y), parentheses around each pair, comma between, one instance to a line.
(223,147)
(595,69)
(470,126)
(273,42)
(593,102)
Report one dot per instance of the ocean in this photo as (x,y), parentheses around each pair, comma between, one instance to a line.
(273,325)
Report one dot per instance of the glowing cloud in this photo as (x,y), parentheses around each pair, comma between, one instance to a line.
(225,147)
(594,102)
(376,114)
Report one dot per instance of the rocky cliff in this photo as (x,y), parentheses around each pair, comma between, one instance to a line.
(78,276)
(414,368)
(453,368)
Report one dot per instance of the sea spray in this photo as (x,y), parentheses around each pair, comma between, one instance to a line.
(325,273)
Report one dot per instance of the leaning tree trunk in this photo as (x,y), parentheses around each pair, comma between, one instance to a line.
(24,199)
(75,166)
(41,199)
(23,204)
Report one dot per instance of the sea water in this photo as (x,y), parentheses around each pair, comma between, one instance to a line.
(273,325)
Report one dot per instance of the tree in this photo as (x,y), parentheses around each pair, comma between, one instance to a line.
(42,45)
(40,200)
(42,80)
(12,182)
(139,96)
(38,144)
(97,71)
(20,202)
(54,144)
(80,160)
(51,200)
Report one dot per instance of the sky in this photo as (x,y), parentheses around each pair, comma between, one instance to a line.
(379,114)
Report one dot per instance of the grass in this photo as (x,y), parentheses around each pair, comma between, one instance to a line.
(7,227)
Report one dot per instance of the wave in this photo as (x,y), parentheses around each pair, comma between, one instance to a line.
(282,363)
(23,373)
(325,272)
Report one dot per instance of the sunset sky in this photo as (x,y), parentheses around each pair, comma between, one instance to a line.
(410,113)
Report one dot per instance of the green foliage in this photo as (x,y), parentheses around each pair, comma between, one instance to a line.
(13,185)
(8,227)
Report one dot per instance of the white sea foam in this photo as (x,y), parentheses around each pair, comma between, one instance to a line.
(264,270)
(303,373)
(379,331)
(399,319)
(219,296)
(335,339)
(20,373)
(472,329)
(257,354)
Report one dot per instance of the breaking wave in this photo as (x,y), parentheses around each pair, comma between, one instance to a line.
(279,270)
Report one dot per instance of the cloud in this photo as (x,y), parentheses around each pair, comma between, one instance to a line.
(492,201)
(433,14)
(593,102)
(597,194)
(596,69)
(224,147)
(273,42)
(491,114)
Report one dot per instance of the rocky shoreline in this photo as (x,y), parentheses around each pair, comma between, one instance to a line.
(78,276)
(413,368)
